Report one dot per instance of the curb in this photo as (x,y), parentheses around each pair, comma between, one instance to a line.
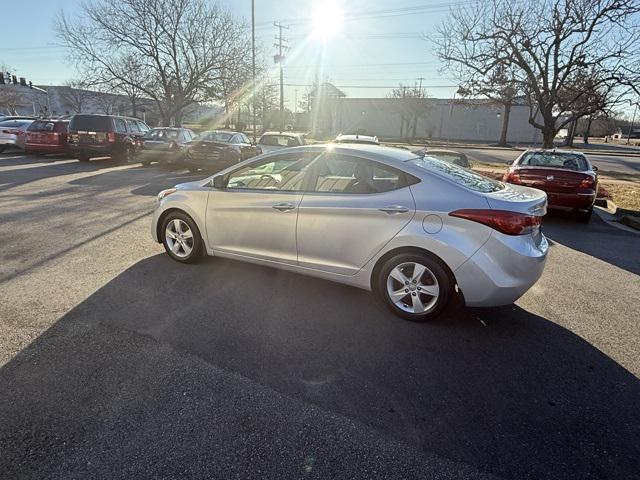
(629,218)
(587,151)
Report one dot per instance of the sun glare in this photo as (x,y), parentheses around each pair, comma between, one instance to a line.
(327,19)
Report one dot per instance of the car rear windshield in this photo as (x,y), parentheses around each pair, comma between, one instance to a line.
(460,175)
(42,126)
(569,161)
(91,123)
(215,136)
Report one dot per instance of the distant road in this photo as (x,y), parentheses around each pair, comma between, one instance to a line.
(621,163)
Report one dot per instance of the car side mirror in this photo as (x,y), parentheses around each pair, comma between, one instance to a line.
(218,181)
(595,169)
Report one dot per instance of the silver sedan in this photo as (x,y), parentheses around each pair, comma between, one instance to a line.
(413,230)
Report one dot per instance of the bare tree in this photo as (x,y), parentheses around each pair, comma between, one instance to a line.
(76,96)
(545,44)
(11,99)
(181,47)
(412,106)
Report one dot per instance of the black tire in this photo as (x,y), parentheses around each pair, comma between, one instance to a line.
(126,156)
(584,216)
(146,163)
(2,148)
(434,271)
(197,245)
(192,169)
(83,158)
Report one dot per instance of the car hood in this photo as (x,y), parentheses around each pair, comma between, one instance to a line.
(191,185)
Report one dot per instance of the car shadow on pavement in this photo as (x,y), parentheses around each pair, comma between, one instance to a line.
(503,390)
(596,238)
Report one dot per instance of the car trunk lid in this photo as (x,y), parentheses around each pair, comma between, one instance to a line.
(516,198)
(553,180)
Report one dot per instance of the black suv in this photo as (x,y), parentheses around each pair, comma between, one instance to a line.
(105,136)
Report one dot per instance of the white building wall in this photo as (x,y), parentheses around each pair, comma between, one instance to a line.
(441,119)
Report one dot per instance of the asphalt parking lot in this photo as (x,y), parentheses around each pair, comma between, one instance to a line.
(119,363)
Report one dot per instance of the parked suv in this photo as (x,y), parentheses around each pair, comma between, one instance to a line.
(105,136)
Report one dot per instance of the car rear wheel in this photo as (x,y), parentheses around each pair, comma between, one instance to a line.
(2,149)
(83,158)
(583,216)
(181,238)
(145,163)
(414,286)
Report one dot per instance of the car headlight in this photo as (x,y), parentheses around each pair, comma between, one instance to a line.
(165,193)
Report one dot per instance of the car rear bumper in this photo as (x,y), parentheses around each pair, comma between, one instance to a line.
(502,270)
(44,148)
(95,150)
(582,200)
(9,142)
(161,156)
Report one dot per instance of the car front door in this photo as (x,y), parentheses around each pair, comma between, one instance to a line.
(255,214)
(354,208)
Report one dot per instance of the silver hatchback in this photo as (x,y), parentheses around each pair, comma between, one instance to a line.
(414,230)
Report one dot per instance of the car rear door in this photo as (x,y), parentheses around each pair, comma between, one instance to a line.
(255,215)
(354,207)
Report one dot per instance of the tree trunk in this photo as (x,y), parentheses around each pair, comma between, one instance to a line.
(226,114)
(548,135)
(571,133)
(587,131)
(134,107)
(505,125)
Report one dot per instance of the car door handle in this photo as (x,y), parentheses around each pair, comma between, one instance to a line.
(283,207)
(392,209)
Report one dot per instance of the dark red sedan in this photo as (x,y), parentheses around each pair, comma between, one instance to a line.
(568,178)
(47,136)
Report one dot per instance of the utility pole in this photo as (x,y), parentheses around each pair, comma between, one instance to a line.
(279,59)
(253,65)
(420,87)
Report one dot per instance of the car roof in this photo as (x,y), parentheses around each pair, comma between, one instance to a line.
(105,115)
(441,150)
(356,136)
(286,134)
(379,153)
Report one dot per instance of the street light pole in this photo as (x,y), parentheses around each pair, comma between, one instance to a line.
(632,122)
(253,64)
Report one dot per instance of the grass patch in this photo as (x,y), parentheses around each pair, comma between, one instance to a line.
(624,195)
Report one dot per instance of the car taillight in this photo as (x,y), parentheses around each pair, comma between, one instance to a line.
(111,137)
(509,223)
(587,182)
(512,177)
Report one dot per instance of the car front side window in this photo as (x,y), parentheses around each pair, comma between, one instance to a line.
(280,173)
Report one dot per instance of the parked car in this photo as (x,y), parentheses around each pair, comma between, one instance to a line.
(451,156)
(218,149)
(355,138)
(378,218)
(272,141)
(165,145)
(13,133)
(47,136)
(568,178)
(16,117)
(105,136)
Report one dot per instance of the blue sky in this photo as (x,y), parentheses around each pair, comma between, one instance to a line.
(381,47)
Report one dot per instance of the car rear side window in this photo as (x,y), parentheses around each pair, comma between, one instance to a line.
(91,123)
(337,173)
(133,126)
(462,176)
(121,126)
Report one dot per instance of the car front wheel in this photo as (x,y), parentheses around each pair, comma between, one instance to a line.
(414,286)
(181,238)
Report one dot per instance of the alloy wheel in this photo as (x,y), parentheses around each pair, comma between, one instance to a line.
(413,288)
(179,238)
